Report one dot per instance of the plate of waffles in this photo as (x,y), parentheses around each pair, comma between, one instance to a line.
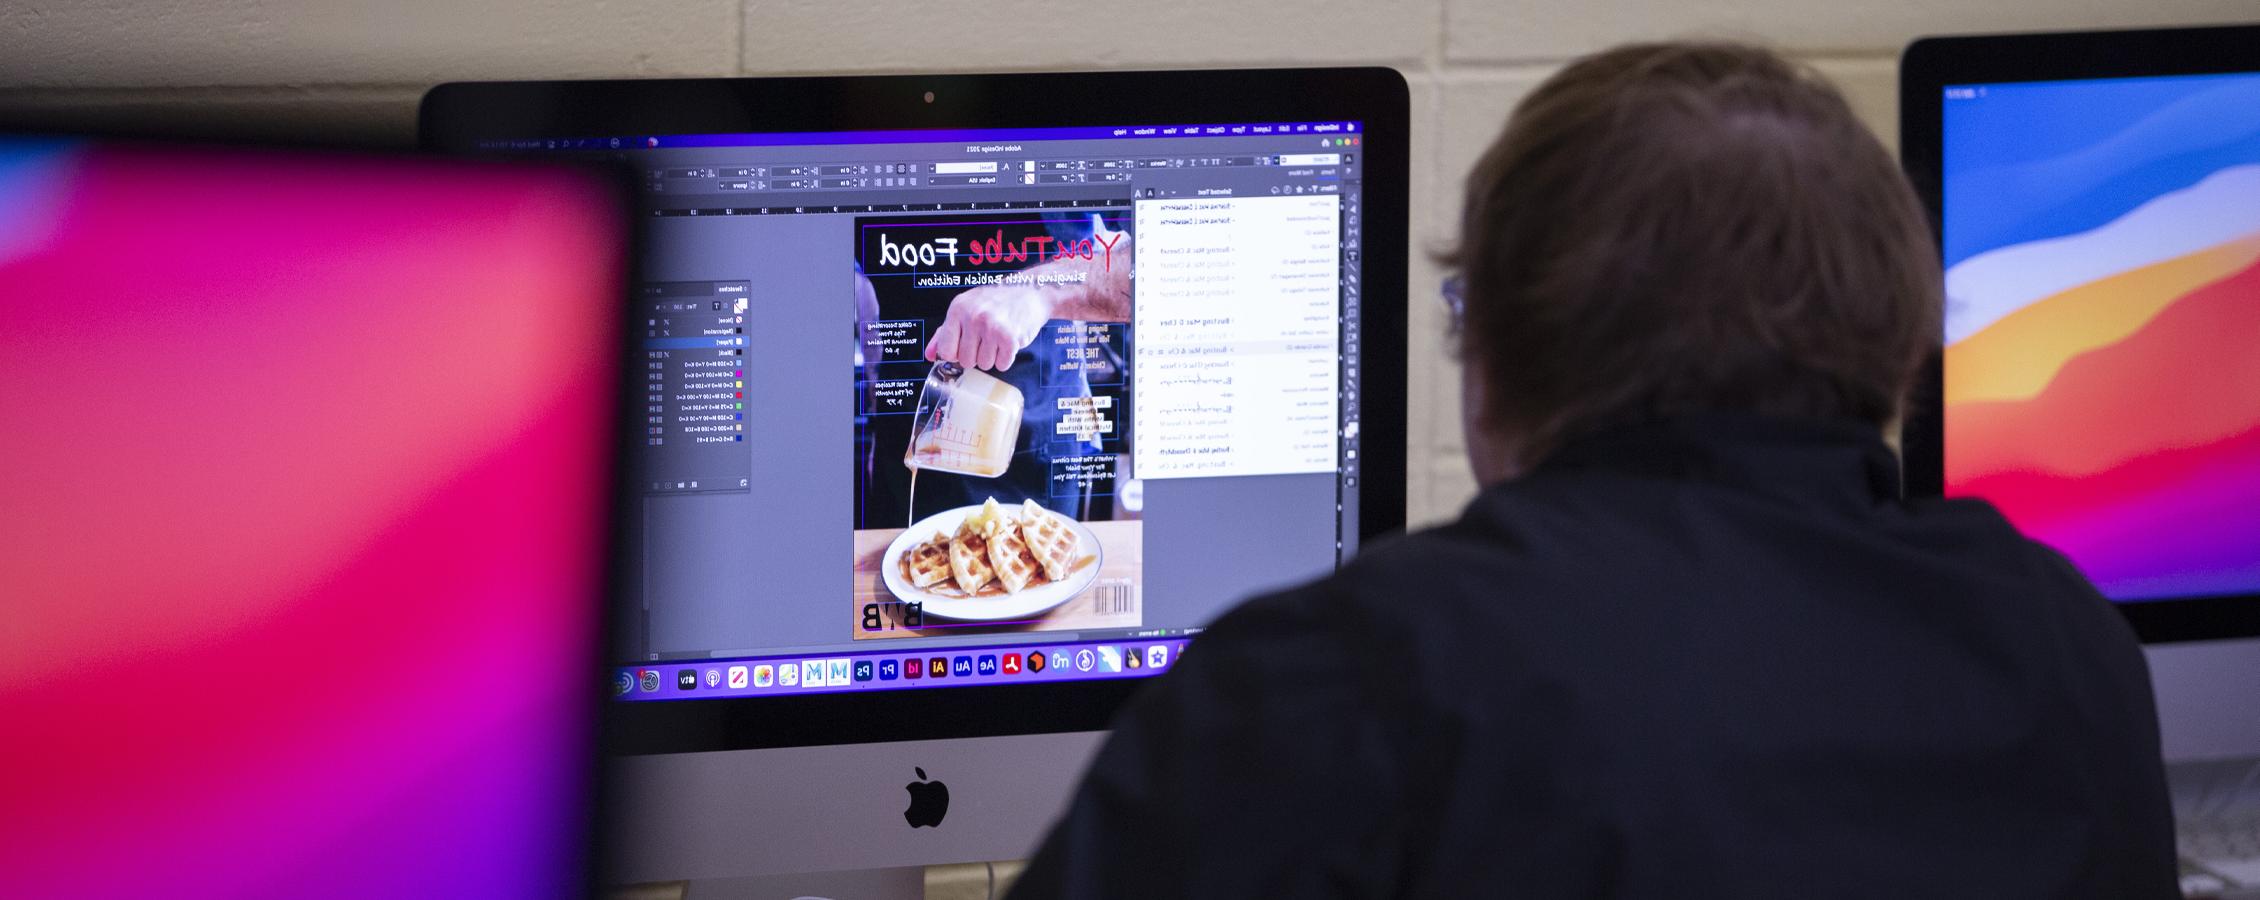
(989,563)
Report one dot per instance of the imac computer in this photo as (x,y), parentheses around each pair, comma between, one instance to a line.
(2098,203)
(964,402)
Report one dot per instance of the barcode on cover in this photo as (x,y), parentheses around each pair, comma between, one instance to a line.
(1114,599)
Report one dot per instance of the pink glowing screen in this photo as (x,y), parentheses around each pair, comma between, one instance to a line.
(304,471)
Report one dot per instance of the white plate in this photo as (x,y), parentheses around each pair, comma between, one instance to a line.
(996,608)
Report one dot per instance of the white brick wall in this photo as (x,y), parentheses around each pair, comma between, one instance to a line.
(965,35)
(330,68)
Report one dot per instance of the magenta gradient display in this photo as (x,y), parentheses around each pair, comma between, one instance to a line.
(307,466)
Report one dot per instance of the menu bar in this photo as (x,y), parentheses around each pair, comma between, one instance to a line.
(923,136)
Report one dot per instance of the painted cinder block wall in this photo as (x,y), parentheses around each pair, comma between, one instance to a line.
(332,70)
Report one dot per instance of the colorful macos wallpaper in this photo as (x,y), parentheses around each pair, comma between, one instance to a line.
(2102,370)
(307,469)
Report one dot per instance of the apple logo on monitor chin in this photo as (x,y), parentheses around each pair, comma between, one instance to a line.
(929,801)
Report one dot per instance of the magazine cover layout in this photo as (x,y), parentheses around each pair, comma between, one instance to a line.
(992,435)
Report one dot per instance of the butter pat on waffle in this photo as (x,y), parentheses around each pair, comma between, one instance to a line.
(1049,539)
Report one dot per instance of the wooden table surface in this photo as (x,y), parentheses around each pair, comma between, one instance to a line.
(1095,608)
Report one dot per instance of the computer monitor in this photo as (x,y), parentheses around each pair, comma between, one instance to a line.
(971,399)
(2100,379)
(308,486)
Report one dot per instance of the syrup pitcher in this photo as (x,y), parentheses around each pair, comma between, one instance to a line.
(967,423)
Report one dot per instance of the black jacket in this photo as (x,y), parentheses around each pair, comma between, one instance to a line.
(1715,657)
